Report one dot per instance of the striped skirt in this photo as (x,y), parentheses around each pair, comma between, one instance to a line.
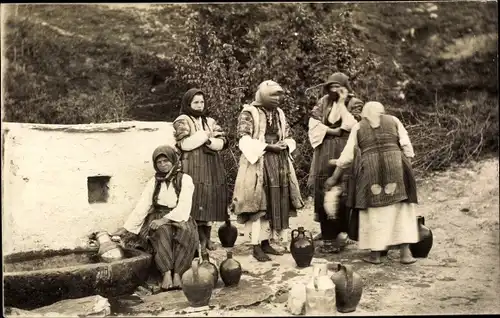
(277,189)
(209,178)
(382,180)
(173,246)
(331,148)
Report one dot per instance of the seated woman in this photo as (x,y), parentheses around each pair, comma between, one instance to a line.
(162,218)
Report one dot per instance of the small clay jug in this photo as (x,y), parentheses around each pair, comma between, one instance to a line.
(302,247)
(211,267)
(422,248)
(228,234)
(230,271)
(197,284)
(109,251)
(348,288)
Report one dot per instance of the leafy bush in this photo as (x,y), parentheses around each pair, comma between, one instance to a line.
(67,66)
(233,49)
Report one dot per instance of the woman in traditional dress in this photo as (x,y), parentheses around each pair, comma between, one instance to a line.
(329,127)
(200,140)
(385,188)
(162,219)
(266,192)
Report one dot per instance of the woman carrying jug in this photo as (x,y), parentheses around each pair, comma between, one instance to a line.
(329,127)
(385,188)
(200,140)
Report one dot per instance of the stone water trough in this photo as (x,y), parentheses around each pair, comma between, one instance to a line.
(40,278)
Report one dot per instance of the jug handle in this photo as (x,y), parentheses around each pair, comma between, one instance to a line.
(311,237)
(349,278)
(315,277)
(294,231)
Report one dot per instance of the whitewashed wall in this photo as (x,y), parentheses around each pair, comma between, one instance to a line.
(44,179)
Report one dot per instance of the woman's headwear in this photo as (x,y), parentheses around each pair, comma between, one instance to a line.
(186,104)
(172,156)
(372,111)
(265,89)
(337,78)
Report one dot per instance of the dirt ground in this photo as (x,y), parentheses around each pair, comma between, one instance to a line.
(460,276)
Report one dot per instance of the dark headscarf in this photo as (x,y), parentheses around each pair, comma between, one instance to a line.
(186,105)
(337,78)
(172,156)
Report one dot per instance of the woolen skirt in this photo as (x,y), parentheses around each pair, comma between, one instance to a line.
(173,247)
(209,178)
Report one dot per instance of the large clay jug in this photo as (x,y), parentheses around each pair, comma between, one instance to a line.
(230,271)
(228,234)
(197,285)
(211,267)
(320,292)
(426,238)
(302,247)
(348,288)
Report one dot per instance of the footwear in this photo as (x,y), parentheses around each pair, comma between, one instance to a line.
(268,249)
(328,248)
(373,258)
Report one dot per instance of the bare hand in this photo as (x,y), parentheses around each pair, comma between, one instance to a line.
(275,148)
(329,184)
(157,223)
(121,231)
(176,224)
(332,162)
(343,92)
(282,145)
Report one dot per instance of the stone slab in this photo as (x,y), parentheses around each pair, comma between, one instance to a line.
(249,291)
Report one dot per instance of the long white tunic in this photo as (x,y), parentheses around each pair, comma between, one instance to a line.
(166,197)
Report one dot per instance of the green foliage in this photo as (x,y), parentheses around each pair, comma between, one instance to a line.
(230,53)
(58,77)
(85,63)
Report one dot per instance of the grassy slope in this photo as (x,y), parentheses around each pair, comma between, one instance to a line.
(106,56)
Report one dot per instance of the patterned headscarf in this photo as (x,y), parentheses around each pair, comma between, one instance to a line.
(172,156)
(265,89)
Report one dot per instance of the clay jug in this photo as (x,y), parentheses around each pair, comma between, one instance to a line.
(426,238)
(320,292)
(348,288)
(302,247)
(109,251)
(228,234)
(197,284)
(230,271)
(211,267)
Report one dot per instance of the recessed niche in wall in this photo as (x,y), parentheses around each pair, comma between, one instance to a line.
(98,188)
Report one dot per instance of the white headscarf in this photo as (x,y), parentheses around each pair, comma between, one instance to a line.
(372,111)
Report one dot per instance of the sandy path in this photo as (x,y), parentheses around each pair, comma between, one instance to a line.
(461,275)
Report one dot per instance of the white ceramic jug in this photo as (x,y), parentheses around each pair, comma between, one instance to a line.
(320,292)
